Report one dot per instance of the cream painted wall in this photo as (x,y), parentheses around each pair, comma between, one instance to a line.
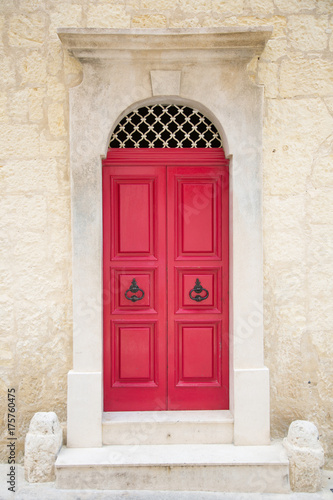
(35,235)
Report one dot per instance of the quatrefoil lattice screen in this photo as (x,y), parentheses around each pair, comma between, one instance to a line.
(165,126)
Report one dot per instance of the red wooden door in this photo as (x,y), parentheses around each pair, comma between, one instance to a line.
(134,321)
(165,280)
(198,288)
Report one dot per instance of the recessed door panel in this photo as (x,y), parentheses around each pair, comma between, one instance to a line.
(198,221)
(203,297)
(133,224)
(134,354)
(198,345)
(197,217)
(134,217)
(133,290)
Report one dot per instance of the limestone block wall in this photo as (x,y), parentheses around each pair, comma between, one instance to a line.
(35,232)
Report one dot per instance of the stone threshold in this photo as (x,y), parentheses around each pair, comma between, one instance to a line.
(168,427)
(169,416)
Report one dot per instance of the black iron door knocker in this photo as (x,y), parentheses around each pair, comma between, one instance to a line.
(198,288)
(134,289)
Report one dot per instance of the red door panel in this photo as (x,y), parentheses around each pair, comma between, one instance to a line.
(133,216)
(210,279)
(197,204)
(134,354)
(134,288)
(198,346)
(121,281)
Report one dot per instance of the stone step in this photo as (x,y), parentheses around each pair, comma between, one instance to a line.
(224,468)
(168,427)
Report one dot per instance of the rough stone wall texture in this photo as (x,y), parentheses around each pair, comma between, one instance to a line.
(35,233)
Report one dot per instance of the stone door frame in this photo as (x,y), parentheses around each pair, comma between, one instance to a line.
(205,69)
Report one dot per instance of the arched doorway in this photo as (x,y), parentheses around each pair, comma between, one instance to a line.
(166,245)
(207,69)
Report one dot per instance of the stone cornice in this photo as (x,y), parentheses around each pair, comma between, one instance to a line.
(240,42)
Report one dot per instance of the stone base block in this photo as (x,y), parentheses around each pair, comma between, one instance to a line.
(306,456)
(84,409)
(42,445)
(251,407)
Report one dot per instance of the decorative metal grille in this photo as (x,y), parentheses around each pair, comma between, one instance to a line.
(165,126)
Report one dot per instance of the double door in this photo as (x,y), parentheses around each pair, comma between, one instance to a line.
(165,282)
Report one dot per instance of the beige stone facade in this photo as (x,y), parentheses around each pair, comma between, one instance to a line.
(36,74)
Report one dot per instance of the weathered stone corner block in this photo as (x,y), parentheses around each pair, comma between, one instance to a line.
(306,456)
(42,445)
